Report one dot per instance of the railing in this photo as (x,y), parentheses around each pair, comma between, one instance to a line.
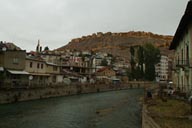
(182,63)
(183,88)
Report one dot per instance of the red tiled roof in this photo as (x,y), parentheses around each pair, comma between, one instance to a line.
(102,69)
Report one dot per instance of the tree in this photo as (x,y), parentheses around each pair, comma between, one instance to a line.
(129,74)
(151,58)
(137,73)
(147,55)
(132,51)
(140,54)
(104,62)
(46,48)
(113,60)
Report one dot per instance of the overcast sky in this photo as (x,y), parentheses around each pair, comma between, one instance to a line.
(56,22)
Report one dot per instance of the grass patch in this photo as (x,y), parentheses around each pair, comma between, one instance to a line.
(174,123)
(171,114)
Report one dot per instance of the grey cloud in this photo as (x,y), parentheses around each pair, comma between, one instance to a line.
(56,22)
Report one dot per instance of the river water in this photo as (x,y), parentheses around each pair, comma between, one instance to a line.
(117,109)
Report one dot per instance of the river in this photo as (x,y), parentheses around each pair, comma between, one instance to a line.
(116,109)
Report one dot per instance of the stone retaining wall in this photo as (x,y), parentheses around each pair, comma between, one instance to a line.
(147,121)
(25,94)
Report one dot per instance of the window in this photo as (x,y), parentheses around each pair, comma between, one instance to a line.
(37,65)
(187,54)
(41,66)
(31,64)
(54,68)
(15,60)
(182,55)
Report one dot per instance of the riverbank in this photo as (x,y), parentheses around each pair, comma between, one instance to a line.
(25,94)
(169,113)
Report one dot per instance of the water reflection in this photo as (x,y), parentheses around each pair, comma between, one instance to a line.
(118,109)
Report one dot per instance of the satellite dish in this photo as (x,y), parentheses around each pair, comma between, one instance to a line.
(30,77)
(67,81)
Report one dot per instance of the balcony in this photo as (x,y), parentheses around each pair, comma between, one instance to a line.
(182,63)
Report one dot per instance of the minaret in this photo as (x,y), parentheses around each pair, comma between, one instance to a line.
(38,46)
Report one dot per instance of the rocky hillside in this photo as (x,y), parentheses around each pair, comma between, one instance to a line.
(118,44)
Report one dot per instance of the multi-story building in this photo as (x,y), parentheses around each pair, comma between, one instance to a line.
(55,73)
(12,65)
(105,73)
(182,44)
(161,69)
(36,66)
(52,58)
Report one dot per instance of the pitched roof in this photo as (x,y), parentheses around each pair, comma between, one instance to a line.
(9,46)
(70,73)
(35,58)
(102,69)
(185,21)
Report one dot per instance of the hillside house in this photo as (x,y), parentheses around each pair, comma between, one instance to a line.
(36,66)
(12,66)
(105,73)
(55,73)
(52,58)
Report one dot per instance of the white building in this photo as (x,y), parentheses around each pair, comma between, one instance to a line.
(161,69)
(182,44)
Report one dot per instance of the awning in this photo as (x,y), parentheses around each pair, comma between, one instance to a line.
(18,72)
(116,79)
(51,64)
(40,74)
(73,78)
(1,69)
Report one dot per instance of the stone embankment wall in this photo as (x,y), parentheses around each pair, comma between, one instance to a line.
(147,121)
(25,94)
